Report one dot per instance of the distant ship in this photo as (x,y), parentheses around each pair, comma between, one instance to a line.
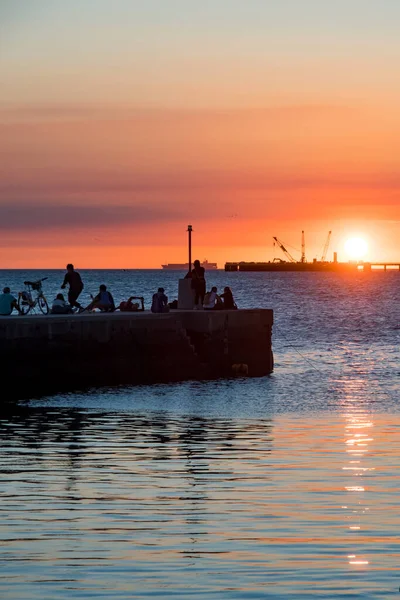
(209,266)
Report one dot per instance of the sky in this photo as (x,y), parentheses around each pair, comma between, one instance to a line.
(122,122)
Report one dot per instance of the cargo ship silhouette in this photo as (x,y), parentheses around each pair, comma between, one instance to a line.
(209,266)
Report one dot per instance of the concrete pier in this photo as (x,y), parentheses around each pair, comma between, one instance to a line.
(44,355)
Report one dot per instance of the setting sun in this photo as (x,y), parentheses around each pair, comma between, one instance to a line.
(356,248)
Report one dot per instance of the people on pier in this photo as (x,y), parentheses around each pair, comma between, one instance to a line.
(60,306)
(103,301)
(198,284)
(211,300)
(130,306)
(7,303)
(159,302)
(74,280)
(227,298)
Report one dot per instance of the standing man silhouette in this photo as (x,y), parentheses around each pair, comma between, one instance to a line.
(73,279)
(198,284)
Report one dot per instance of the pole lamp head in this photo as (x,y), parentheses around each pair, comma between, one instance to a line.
(190,228)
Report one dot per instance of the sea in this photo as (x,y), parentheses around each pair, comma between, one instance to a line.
(285,486)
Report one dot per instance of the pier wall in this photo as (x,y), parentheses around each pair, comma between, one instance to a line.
(43,355)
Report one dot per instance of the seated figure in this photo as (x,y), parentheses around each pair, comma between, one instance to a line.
(7,302)
(227,298)
(160,302)
(211,300)
(103,301)
(130,306)
(60,306)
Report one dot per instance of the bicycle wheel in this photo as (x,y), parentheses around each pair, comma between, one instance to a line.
(23,305)
(43,306)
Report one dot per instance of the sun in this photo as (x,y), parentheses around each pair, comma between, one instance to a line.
(356,248)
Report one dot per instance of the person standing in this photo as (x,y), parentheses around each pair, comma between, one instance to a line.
(198,284)
(73,279)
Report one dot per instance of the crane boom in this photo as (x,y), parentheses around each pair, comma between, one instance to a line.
(325,250)
(286,252)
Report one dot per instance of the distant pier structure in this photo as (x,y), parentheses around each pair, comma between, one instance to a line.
(290,264)
(282,266)
(380,266)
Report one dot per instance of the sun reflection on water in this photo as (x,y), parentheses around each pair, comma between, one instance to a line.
(358,427)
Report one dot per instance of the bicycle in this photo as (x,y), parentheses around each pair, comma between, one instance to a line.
(26,301)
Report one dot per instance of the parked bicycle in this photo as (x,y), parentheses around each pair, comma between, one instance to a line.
(33,297)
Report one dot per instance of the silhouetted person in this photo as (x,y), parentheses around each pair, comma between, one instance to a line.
(60,306)
(228,301)
(211,300)
(73,279)
(198,284)
(130,306)
(159,302)
(7,303)
(103,301)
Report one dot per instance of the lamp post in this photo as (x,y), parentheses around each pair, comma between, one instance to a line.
(190,246)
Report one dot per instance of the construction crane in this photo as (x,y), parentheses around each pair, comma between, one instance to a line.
(325,250)
(286,252)
(303,248)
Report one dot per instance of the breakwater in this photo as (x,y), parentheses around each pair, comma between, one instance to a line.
(44,355)
(312,267)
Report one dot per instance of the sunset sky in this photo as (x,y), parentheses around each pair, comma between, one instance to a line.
(123,121)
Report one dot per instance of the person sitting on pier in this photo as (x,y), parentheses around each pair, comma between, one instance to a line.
(60,306)
(7,303)
(211,300)
(160,302)
(228,301)
(103,301)
(198,284)
(130,306)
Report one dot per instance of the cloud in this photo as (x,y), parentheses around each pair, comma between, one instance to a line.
(93,112)
(27,217)
(104,184)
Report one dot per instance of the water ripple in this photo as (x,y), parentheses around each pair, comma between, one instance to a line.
(133,505)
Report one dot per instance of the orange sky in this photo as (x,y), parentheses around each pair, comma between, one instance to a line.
(110,147)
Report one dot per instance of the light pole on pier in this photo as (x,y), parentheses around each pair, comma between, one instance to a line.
(190,246)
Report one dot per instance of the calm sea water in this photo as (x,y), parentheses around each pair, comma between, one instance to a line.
(284,486)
